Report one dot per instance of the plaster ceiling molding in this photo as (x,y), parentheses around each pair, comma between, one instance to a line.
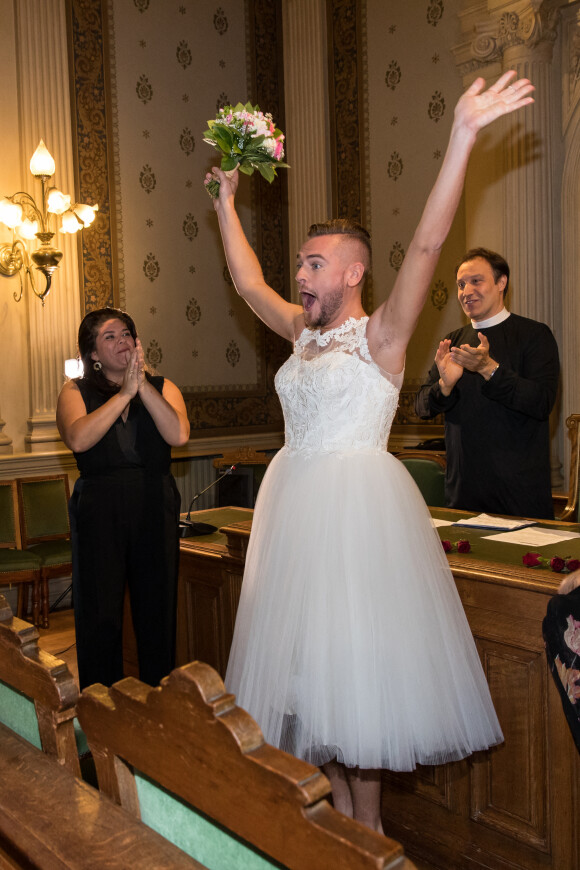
(499,26)
(570,64)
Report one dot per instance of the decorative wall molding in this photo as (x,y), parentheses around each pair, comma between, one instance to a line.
(87,25)
(524,22)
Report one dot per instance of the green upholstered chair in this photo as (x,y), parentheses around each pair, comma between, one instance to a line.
(17,566)
(45,528)
(428,471)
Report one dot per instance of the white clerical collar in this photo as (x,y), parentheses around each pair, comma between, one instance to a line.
(493,321)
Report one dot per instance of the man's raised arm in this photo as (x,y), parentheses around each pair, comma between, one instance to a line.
(393,323)
(244,266)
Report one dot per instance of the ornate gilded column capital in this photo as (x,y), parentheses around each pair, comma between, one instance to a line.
(491,28)
(570,64)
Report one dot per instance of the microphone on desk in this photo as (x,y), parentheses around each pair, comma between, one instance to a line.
(189,528)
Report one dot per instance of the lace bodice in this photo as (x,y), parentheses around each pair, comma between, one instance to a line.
(334,396)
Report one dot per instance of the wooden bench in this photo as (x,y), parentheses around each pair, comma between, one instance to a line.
(49,817)
(38,693)
(194,766)
(51,820)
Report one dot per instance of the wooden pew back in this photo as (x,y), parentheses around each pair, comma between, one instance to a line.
(50,819)
(189,738)
(38,693)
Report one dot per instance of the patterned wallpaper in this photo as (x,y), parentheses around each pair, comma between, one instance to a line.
(166,69)
(412,87)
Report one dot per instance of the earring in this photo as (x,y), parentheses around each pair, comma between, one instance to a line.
(97,366)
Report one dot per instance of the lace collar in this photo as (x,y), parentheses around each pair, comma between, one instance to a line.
(350,325)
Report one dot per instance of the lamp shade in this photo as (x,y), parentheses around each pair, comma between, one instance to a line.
(58,202)
(41,162)
(10,213)
(70,223)
(28,229)
(85,213)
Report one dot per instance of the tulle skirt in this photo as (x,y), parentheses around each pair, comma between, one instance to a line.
(351,641)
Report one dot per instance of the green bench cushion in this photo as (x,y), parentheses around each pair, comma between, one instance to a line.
(18,713)
(200,837)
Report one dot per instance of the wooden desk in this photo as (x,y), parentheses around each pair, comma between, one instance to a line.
(210,580)
(514,807)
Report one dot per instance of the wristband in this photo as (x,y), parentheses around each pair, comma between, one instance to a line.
(493,372)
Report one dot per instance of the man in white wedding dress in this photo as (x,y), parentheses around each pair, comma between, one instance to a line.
(351,648)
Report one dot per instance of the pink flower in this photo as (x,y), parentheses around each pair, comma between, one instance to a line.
(572,634)
(569,678)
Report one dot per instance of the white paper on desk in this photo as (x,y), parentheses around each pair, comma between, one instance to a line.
(534,536)
(436,523)
(485,521)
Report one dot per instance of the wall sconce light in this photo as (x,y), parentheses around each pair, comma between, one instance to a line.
(73,368)
(28,221)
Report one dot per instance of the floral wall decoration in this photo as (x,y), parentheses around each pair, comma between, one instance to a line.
(393,75)
(436,106)
(220,21)
(439,295)
(396,256)
(154,354)
(193,311)
(147,179)
(435,10)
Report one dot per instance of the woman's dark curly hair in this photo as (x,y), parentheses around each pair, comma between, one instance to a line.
(87,339)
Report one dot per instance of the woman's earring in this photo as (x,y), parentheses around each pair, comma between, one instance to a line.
(97,366)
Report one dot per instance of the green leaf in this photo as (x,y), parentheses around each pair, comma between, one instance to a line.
(267,171)
(246,168)
(229,163)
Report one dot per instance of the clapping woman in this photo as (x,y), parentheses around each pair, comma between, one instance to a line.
(121,422)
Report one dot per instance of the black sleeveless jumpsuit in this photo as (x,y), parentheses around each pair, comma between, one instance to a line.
(124,524)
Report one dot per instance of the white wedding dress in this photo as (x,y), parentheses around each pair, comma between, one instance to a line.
(350,639)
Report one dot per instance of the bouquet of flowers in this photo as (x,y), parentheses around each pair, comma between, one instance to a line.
(248,139)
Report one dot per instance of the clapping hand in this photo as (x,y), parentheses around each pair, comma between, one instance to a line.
(449,370)
(134,378)
(474,359)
